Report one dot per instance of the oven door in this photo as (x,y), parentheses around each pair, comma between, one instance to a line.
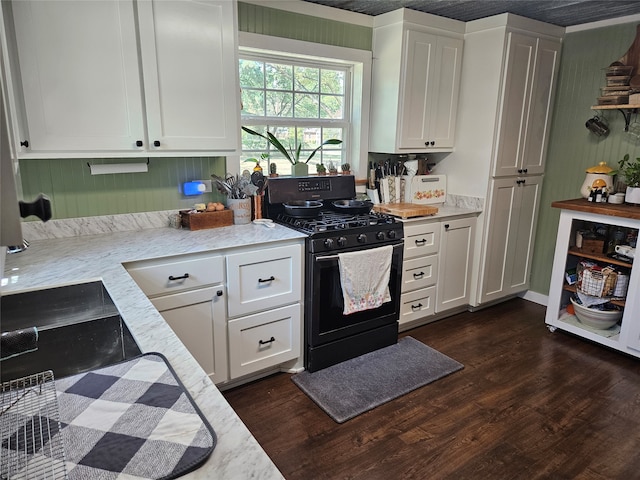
(326,322)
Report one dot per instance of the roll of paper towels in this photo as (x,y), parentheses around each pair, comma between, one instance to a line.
(106,168)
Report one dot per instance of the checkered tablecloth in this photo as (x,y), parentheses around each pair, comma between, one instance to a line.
(133,420)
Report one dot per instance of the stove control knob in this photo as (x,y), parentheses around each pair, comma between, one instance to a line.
(380,235)
(342,241)
(362,238)
(392,234)
(328,243)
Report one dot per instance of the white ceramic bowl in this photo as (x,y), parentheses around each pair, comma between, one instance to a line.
(596,318)
(617,198)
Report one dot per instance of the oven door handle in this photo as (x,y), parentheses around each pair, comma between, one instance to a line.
(335,257)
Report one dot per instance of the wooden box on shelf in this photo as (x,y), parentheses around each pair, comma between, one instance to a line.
(202,220)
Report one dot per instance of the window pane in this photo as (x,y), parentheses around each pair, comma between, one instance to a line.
(307,79)
(331,107)
(332,81)
(253,142)
(279,104)
(328,133)
(253,102)
(279,76)
(306,106)
(251,73)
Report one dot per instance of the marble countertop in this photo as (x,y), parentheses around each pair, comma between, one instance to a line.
(76,259)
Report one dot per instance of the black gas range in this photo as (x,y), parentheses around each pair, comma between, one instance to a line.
(330,336)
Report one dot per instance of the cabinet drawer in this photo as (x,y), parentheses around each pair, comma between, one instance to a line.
(164,277)
(419,272)
(263,279)
(264,340)
(418,304)
(422,239)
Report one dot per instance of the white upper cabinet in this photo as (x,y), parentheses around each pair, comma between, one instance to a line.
(416,76)
(530,70)
(190,70)
(79,72)
(91,88)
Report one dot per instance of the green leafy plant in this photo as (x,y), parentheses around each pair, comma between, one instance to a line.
(630,170)
(263,156)
(320,168)
(292,155)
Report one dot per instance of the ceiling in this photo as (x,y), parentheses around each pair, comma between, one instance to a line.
(563,13)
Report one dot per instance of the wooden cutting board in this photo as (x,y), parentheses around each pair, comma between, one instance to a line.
(405,210)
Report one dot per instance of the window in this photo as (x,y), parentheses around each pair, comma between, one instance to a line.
(303,104)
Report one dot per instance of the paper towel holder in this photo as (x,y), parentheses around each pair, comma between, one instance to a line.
(107,168)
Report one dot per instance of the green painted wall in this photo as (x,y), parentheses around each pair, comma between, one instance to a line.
(572,148)
(74,192)
(280,23)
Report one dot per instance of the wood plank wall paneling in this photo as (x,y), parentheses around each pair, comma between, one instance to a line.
(572,148)
(279,23)
(74,192)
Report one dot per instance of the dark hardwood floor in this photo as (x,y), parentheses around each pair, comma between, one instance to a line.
(528,404)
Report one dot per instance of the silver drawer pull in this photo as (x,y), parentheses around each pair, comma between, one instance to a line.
(265,280)
(171,277)
(416,307)
(418,275)
(266,342)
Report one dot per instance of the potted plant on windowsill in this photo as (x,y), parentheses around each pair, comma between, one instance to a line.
(630,170)
(321,169)
(299,168)
(346,169)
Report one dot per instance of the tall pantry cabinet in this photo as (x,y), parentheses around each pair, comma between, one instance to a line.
(506,97)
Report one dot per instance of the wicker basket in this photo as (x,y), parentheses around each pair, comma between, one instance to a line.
(596,281)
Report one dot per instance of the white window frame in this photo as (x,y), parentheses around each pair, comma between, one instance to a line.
(360,62)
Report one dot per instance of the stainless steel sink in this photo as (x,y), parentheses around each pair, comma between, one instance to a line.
(79,329)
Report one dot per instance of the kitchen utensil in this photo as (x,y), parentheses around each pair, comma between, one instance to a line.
(257,178)
(303,208)
(598,126)
(352,206)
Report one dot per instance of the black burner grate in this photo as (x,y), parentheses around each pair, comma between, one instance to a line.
(329,220)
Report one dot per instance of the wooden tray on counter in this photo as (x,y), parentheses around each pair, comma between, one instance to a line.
(405,210)
(202,220)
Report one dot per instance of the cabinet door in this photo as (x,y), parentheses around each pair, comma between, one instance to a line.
(430,94)
(443,99)
(509,245)
(540,110)
(190,70)
(518,78)
(198,319)
(456,256)
(80,75)
(419,58)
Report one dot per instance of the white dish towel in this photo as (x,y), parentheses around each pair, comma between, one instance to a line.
(364,277)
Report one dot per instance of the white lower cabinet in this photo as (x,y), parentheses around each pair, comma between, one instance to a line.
(436,271)
(264,340)
(264,308)
(238,322)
